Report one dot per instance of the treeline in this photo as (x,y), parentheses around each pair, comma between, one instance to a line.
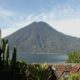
(11,69)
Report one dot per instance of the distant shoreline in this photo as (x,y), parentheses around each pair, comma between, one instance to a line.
(43,58)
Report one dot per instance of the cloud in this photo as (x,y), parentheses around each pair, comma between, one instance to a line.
(16,24)
(65,19)
(67,26)
(7,31)
(4,12)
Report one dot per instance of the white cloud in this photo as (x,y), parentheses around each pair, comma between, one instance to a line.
(66,20)
(67,26)
(7,31)
(16,25)
(4,12)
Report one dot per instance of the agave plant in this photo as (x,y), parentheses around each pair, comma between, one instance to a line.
(38,72)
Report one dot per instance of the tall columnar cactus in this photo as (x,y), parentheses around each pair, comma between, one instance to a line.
(14,56)
(0,51)
(7,55)
(0,46)
(0,38)
(3,48)
(13,64)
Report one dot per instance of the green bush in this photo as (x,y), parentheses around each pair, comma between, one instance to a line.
(74,57)
(75,76)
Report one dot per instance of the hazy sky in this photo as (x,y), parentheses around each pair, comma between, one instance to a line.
(63,15)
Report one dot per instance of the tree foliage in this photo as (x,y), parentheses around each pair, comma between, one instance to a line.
(74,57)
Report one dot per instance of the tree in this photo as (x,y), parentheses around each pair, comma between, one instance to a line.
(74,57)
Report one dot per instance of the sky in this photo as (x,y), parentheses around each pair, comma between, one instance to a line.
(62,15)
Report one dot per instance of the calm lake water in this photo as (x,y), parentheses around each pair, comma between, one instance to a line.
(42,58)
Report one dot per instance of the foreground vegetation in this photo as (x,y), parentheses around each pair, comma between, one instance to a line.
(17,70)
(11,69)
(75,76)
(74,57)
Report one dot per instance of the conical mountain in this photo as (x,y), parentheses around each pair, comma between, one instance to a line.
(40,37)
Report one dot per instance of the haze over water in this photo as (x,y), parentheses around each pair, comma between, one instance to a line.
(43,58)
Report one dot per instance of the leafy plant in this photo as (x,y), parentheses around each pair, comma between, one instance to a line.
(74,57)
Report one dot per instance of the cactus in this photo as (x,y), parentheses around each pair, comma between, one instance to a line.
(14,56)
(7,55)
(10,71)
(0,38)
(0,52)
(13,64)
(0,46)
(3,48)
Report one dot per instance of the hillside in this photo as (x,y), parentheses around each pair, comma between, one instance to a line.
(39,37)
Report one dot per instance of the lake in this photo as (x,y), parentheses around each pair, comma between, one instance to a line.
(42,58)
